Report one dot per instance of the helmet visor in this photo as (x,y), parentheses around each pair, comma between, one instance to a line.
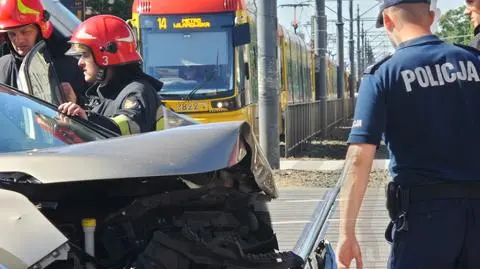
(77,50)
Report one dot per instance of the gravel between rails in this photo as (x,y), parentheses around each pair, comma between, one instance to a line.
(332,148)
(322,179)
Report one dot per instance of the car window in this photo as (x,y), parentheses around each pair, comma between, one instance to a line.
(27,124)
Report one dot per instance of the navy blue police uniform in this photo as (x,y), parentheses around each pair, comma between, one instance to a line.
(424,102)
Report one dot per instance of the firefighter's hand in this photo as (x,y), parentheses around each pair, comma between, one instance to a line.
(348,249)
(63,120)
(72,109)
(68,92)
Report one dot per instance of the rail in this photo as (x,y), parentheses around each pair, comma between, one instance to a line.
(307,120)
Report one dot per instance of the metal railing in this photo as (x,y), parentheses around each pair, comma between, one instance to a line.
(307,120)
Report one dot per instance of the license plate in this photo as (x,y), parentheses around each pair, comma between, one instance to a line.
(191,107)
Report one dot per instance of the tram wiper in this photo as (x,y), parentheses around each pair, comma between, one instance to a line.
(200,85)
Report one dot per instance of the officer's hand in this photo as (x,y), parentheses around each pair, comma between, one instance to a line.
(68,92)
(72,109)
(348,249)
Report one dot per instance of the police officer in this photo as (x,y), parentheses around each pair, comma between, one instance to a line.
(425,101)
(472,10)
(123,98)
(24,23)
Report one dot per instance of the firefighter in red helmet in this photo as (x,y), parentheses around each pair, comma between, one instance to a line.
(123,98)
(23,23)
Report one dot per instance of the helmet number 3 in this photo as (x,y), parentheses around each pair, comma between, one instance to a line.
(105,60)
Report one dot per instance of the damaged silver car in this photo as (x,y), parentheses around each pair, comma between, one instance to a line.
(179,198)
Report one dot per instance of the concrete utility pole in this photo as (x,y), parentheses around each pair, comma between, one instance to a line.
(340,58)
(352,54)
(320,63)
(359,52)
(320,50)
(268,81)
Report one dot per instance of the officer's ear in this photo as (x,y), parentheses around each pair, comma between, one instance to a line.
(431,17)
(388,21)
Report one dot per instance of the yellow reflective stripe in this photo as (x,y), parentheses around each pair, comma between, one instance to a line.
(160,119)
(25,9)
(160,124)
(122,122)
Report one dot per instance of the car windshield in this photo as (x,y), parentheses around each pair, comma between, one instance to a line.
(190,60)
(27,125)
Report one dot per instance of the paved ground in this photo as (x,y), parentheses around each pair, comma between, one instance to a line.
(294,208)
(325,165)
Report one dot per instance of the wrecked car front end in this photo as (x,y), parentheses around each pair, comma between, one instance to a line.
(189,197)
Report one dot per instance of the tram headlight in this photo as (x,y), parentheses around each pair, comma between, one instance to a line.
(229,104)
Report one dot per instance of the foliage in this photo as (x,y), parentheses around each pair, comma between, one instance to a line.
(120,8)
(455,27)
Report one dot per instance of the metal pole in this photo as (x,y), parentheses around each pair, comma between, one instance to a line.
(352,54)
(340,58)
(363,48)
(359,53)
(313,41)
(321,61)
(268,83)
(84,9)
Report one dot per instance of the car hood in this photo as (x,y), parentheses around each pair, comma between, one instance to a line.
(179,151)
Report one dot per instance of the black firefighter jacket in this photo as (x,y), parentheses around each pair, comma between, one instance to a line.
(128,104)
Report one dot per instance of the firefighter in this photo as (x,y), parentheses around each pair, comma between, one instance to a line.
(122,98)
(472,10)
(424,101)
(24,23)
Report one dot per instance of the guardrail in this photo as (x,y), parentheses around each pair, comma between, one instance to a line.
(307,120)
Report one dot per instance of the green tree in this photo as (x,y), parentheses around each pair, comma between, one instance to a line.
(120,8)
(455,27)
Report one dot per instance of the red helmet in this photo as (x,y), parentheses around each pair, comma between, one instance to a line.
(110,39)
(17,13)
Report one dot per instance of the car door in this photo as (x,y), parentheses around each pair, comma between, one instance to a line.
(38,77)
